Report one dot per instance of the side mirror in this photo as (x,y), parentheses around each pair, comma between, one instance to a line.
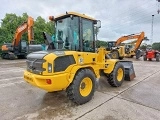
(98,24)
(96,30)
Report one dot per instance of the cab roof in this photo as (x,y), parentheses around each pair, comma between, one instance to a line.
(74,14)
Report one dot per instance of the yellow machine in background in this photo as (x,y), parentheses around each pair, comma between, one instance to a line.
(119,51)
(115,52)
(74,64)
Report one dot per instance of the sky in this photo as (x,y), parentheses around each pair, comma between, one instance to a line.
(118,17)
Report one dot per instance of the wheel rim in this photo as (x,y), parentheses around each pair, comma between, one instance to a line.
(114,55)
(119,74)
(85,86)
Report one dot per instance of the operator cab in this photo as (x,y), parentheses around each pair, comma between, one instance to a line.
(111,45)
(128,48)
(22,45)
(74,32)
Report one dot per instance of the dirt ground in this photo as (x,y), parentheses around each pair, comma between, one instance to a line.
(138,99)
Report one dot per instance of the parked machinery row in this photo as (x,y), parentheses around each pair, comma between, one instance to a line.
(20,48)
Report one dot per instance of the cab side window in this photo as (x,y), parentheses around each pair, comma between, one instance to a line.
(87,30)
(75,32)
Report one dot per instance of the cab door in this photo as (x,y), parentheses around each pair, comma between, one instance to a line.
(88,41)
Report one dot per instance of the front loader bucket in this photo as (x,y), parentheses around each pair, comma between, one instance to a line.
(129,70)
(139,53)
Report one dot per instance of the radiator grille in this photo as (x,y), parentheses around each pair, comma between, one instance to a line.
(61,63)
(35,65)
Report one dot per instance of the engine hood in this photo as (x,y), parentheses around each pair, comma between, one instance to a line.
(37,55)
(42,54)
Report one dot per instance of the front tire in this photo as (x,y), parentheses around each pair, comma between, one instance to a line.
(116,78)
(81,90)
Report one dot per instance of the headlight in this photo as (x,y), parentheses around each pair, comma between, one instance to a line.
(49,67)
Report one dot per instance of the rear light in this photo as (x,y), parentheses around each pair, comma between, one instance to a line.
(48,81)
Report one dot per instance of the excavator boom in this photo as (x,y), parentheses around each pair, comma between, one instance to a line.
(26,26)
(139,38)
(30,29)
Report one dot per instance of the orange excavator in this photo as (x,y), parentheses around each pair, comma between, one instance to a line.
(119,51)
(138,36)
(18,48)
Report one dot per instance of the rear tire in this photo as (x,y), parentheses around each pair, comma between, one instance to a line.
(114,55)
(116,78)
(81,90)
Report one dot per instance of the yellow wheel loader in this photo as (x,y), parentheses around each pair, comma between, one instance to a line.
(74,65)
(115,52)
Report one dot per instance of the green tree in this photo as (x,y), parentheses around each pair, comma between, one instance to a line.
(40,26)
(8,26)
(143,47)
(100,43)
(21,21)
(11,22)
(156,46)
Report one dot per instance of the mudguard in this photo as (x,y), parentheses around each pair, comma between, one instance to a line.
(129,70)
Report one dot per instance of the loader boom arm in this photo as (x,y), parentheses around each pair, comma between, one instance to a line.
(26,26)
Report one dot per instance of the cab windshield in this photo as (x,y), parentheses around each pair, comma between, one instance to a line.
(67,31)
(23,44)
(111,44)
